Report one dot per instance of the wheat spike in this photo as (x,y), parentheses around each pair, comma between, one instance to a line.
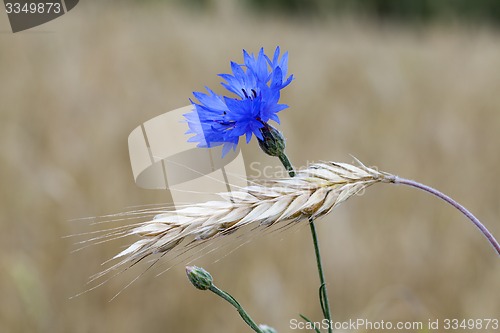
(312,193)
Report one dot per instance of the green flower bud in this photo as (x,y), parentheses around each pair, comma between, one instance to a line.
(273,142)
(199,277)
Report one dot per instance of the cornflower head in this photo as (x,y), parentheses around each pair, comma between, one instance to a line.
(221,120)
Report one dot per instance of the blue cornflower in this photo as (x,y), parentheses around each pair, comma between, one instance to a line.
(221,120)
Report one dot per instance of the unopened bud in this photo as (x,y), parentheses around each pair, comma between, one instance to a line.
(199,277)
(273,142)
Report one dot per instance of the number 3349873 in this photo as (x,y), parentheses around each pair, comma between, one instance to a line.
(33,8)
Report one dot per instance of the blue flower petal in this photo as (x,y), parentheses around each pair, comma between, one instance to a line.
(220,120)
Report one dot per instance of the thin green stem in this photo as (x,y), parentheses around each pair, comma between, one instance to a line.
(286,163)
(323,294)
(238,307)
(310,322)
(462,209)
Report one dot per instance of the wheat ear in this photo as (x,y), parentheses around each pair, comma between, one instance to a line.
(312,193)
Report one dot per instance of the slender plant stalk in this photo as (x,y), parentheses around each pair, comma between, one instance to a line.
(238,307)
(310,322)
(462,209)
(286,163)
(202,280)
(323,294)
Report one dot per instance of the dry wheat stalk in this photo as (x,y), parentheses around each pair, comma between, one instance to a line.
(312,193)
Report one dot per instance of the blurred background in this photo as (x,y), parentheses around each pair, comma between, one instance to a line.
(411,87)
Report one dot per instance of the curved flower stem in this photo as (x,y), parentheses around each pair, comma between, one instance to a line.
(238,307)
(462,209)
(323,295)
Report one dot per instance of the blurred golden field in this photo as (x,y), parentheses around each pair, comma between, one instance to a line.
(420,102)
